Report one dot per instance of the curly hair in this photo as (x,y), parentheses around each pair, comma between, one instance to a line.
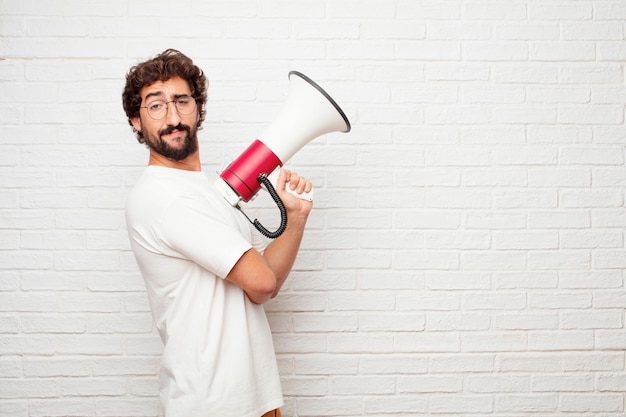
(168,64)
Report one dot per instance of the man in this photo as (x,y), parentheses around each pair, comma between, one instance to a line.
(206,270)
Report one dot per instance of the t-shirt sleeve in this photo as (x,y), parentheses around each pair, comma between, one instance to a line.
(200,235)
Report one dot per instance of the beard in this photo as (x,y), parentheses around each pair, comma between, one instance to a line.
(160,146)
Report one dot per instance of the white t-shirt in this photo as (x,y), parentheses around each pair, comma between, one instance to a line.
(218,358)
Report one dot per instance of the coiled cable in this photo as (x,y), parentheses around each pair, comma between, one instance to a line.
(281,207)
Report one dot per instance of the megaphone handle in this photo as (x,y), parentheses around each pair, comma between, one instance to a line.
(281,207)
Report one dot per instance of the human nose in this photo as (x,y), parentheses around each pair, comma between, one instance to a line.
(172,117)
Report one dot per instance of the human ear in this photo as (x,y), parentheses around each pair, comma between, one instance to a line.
(136,122)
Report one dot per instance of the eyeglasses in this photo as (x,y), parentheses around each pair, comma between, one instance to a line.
(157,109)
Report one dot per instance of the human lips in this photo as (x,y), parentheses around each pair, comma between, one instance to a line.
(174,131)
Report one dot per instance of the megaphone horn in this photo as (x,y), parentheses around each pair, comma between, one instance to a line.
(308,113)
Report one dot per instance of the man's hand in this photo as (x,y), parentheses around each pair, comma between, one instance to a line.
(290,180)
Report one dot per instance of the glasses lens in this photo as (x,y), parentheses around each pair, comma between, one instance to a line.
(157,109)
(185,105)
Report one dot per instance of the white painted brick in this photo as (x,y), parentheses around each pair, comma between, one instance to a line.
(351,385)
(592,199)
(307,322)
(609,299)
(532,403)
(329,406)
(326,364)
(560,134)
(612,383)
(585,403)
(132,366)
(52,281)
(530,362)
(89,387)
(460,363)
(393,364)
(427,220)
(456,72)
(583,31)
(109,323)
(360,343)
(594,74)
(427,342)
(396,404)
(450,30)
(466,240)
(560,300)
(16,408)
(534,199)
(561,260)
(593,361)
(429,301)
(356,301)
(452,404)
(457,281)
(27,302)
(526,240)
(555,219)
(391,322)
(429,384)
(144,387)
(458,198)
(491,301)
(560,11)
(457,321)
(579,239)
(534,279)
(126,407)
(303,343)
(611,339)
(497,384)
(568,94)
(494,220)
(562,51)
(426,260)
(607,259)
(495,51)
(611,51)
(527,322)
(426,50)
(431,10)
(313,386)
(550,177)
(323,281)
(390,280)
(9,324)
(493,261)
(52,324)
(558,341)
(530,32)
(590,280)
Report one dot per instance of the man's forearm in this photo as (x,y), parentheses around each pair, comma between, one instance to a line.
(282,252)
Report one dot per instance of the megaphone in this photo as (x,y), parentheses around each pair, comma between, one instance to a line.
(308,113)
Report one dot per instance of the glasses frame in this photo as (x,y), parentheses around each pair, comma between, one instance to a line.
(167,107)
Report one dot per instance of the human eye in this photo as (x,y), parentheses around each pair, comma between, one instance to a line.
(156,105)
(183,101)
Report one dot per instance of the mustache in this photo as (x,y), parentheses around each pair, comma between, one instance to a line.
(181,127)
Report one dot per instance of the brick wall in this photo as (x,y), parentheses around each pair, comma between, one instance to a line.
(466,252)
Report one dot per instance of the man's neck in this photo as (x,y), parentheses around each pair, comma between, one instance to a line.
(191,163)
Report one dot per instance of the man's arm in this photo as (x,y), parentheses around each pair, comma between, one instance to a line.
(262,276)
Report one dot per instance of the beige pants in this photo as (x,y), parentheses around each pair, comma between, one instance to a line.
(273,413)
